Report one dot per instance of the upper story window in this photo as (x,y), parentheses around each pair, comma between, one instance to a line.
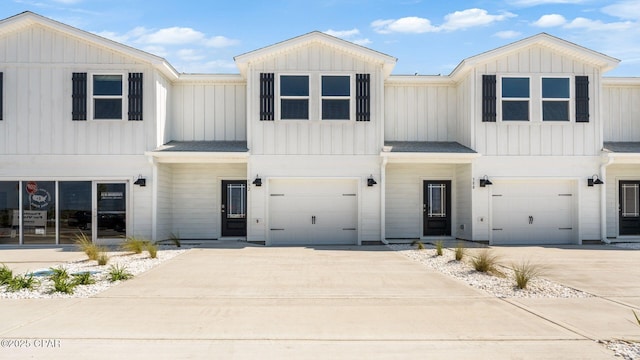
(555,99)
(107,97)
(294,97)
(515,98)
(336,97)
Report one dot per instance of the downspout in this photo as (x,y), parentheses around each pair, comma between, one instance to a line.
(154,199)
(603,201)
(383,197)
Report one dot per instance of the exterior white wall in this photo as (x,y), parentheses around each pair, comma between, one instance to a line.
(578,169)
(463,228)
(315,167)
(420,112)
(164,202)
(209,110)
(465,91)
(195,197)
(315,136)
(621,109)
(535,137)
(38,64)
(616,173)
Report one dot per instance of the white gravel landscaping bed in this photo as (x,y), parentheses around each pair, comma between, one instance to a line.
(502,287)
(134,263)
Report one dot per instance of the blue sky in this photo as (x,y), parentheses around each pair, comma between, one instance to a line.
(427,37)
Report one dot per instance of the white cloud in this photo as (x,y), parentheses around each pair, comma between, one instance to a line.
(189,55)
(412,24)
(597,25)
(221,41)
(156,50)
(344,34)
(508,34)
(543,2)
(550,20)
(172,36)
(68,2)
(471,17)
(629,9)
(362,42)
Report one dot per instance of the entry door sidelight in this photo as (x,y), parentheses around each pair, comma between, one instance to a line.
(437,208)
(629,207)
(234,208)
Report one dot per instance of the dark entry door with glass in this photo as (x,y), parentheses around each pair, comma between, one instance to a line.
(629,207)
(437,208)
(234,208)
(112,210)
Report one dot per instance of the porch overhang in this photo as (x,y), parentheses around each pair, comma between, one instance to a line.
(622,152)
(433,152)
(201,152)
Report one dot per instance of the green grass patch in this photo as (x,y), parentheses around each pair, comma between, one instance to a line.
(418,244)
(20,282)
(486,262)
(524,272)
(6,274)
(117,272)
(439,246)
(63,285)
(175,238)
(58,273)
(83,278)
(152,249)
(460,251)
(134,245)
(103,258)
(85,245)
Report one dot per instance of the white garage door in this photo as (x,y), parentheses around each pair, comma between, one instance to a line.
(540,212)
(313,212)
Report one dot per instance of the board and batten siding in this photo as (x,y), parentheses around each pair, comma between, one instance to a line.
(420,111)
(38,63)
(213,110)
(315,136)
(536,137)
(621,110)
(195,197)
(164,202)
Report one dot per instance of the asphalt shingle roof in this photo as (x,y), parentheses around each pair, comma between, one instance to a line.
(428,147)
(204,146)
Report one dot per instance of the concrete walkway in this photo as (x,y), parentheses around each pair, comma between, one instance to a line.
(248,302)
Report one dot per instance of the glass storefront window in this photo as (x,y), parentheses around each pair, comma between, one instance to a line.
(75,210)
(39,212)
(112,210)
(9,212)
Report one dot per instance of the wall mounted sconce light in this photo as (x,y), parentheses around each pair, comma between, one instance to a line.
(141,181)
(484,181)
(594,180)
(371,181)
(257,181)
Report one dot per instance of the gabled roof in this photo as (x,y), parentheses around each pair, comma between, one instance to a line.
(602,61)
(388,62)
(28,18)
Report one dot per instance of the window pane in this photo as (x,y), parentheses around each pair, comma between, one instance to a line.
(515,87)
(39,212)
(236,201)
(75,210)
(107,108)
(294,86)
(555,110)
(437,200)
(335,86)
(107,84)
(515,110)
(9,212)
(555,88)
(630,200)
(294,109)
(112,211)
(335,110)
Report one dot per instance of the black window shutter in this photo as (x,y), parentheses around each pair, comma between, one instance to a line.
(135,96)
(267,96)
(582,99)
(79,96)
(489,98)
(1,97)
(363,97)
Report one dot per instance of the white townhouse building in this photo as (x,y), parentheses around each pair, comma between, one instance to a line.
(313,142)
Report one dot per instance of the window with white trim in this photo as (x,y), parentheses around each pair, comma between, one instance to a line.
(516,94)
(294,97)
(336,97)
(108,94)
(556,94)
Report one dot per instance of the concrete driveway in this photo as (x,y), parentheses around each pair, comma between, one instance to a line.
(249,302)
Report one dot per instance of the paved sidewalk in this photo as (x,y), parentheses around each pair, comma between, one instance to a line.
(247,302)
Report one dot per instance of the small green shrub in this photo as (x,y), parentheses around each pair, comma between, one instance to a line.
(460,251)
(102,258)
(133,244)
(85,245)
(83,278)
(486,262)
(524,272)
(63,285)
(117,272)
(418,244)
(20,282)
(175,238)
(6,274)
(439,245)
(58,273)
(152,249)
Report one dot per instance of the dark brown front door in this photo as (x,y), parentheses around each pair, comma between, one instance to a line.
(234,208)
(629,207)
(437,208)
